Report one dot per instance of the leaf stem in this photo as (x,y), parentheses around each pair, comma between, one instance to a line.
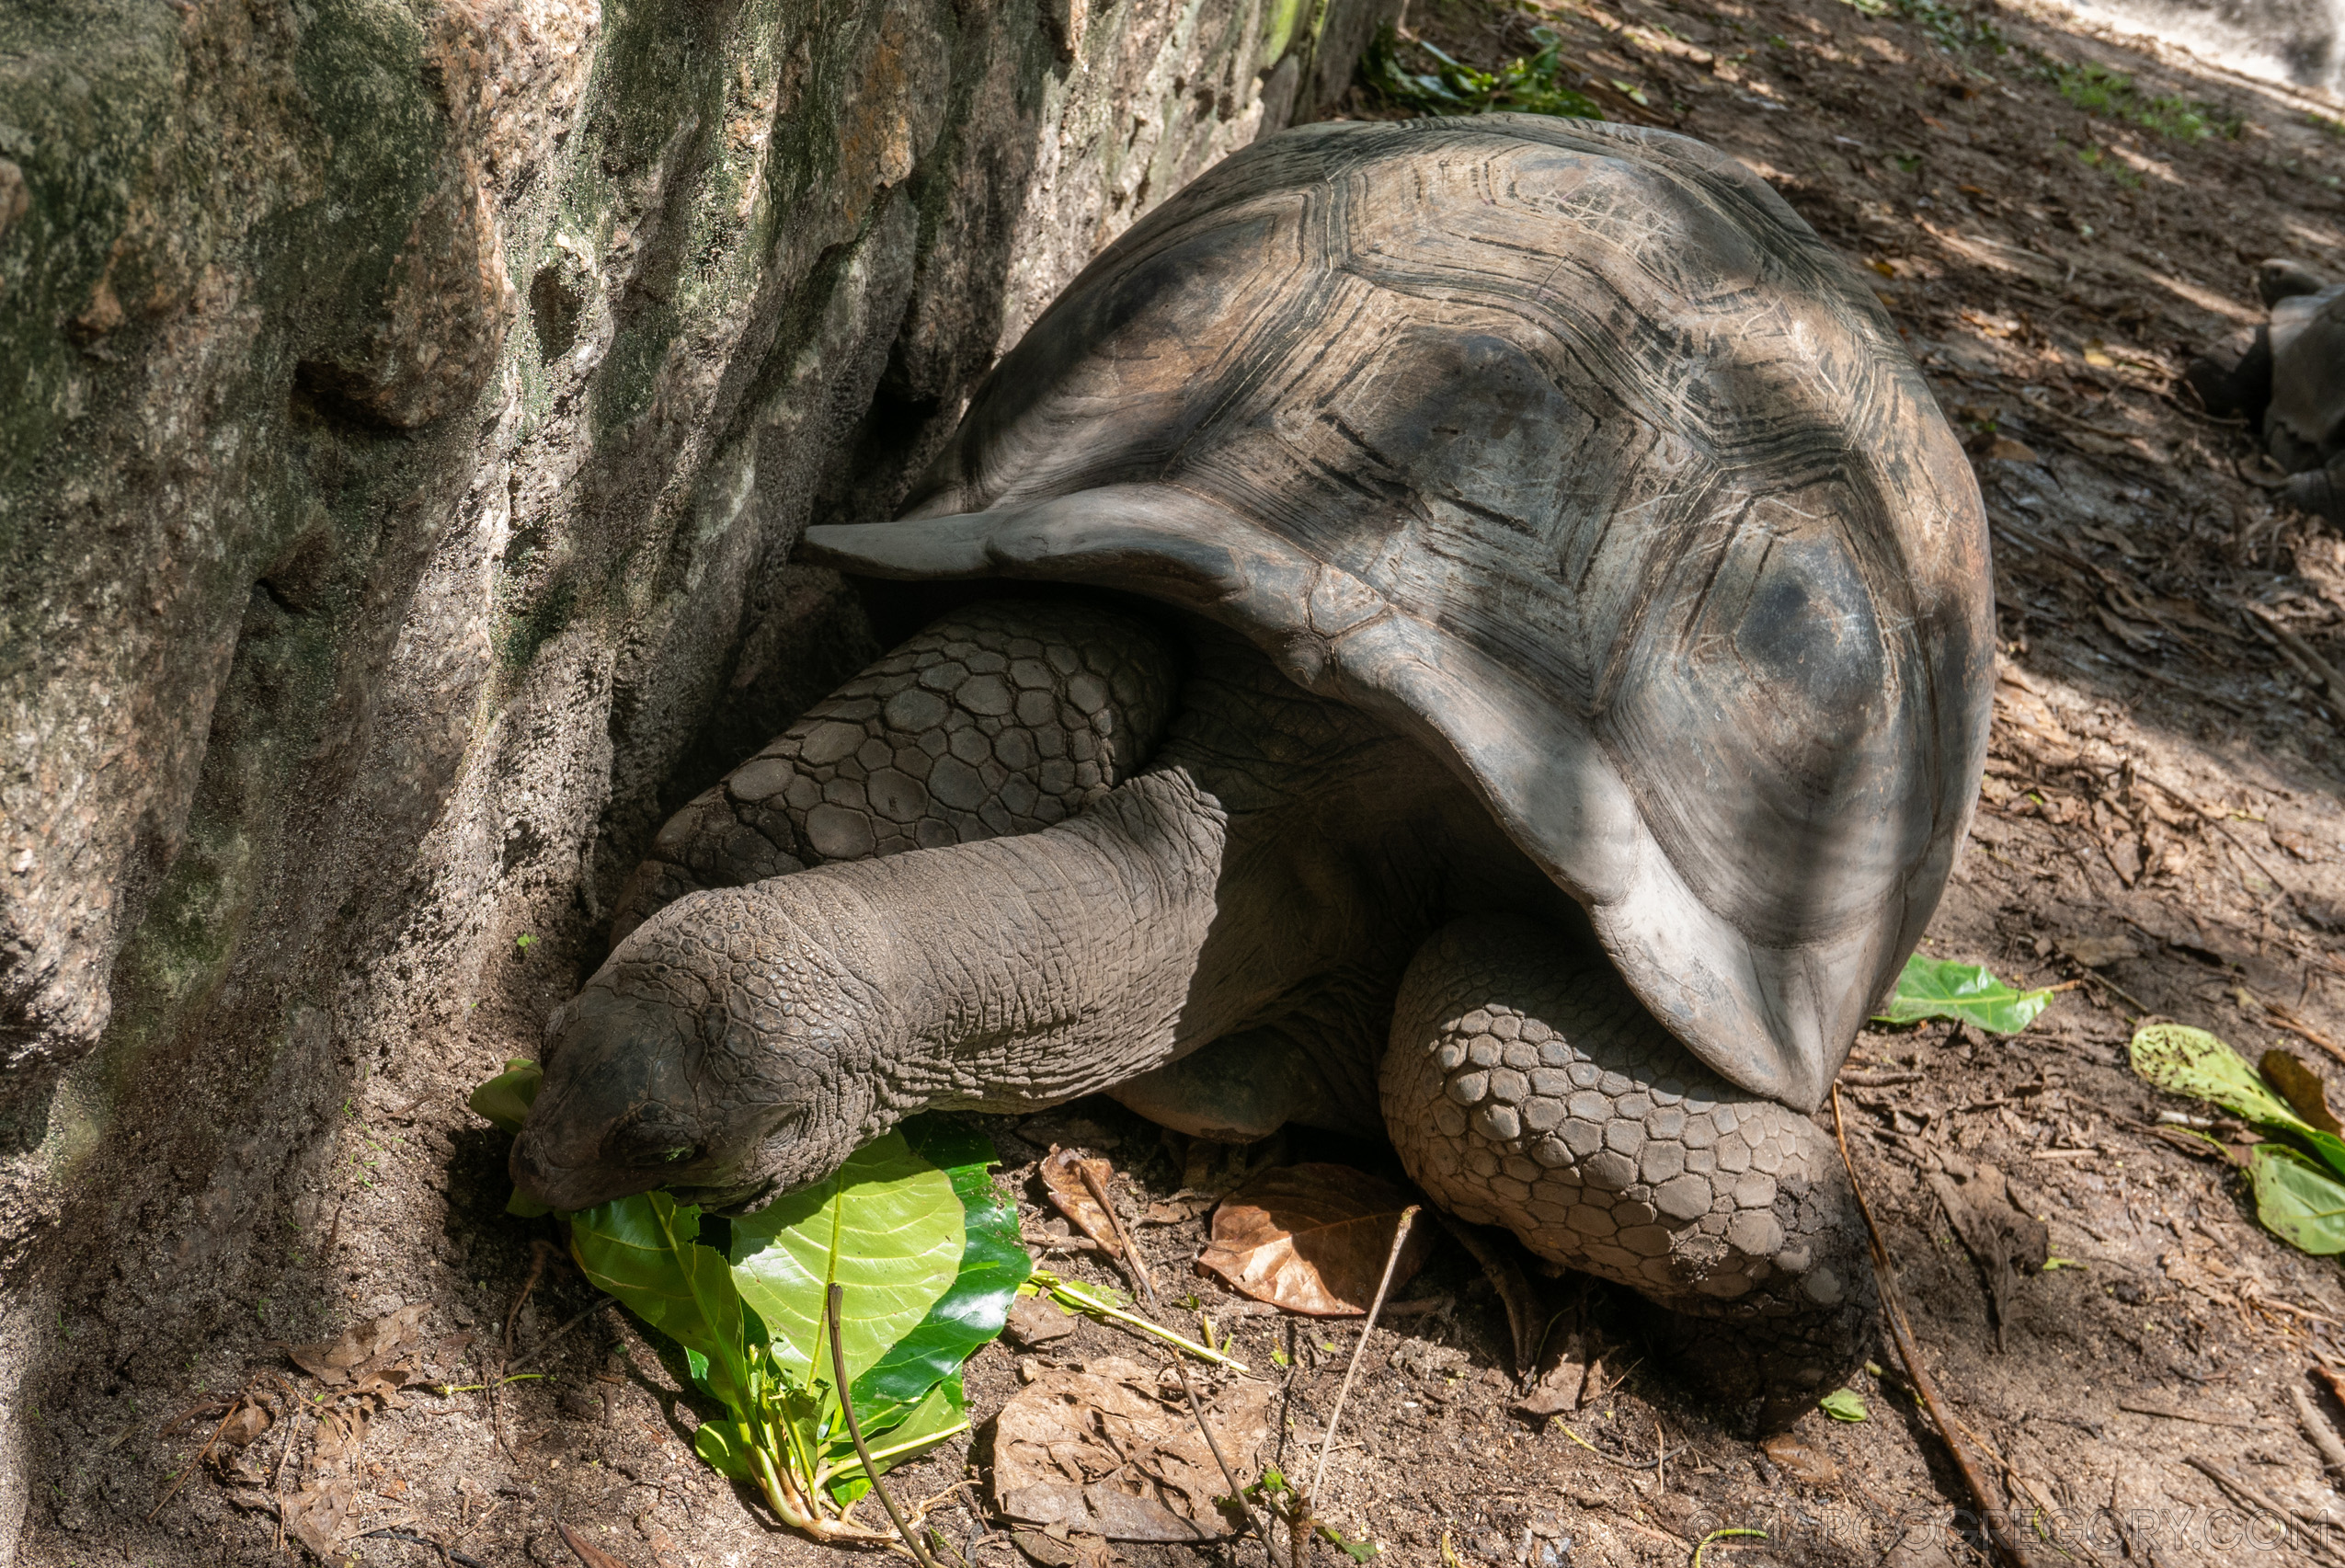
(855,1431)
(1073,1293)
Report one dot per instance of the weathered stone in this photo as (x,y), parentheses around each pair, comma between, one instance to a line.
(406,412)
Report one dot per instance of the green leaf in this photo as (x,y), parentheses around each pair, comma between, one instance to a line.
(2298,1201)
(943,1412)
(888,1226)
(2183,1061)
(642,1250)
(505,1099)
(994,1263)
(1844,1405)
(726,1444)
(1936,987)
(523,1207)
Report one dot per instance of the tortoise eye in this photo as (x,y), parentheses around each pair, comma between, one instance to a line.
(650,1135)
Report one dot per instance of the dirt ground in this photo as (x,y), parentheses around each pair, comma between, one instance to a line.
(2165,800)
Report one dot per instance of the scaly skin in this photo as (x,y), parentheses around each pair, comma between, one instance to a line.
(743,1041)
(996,719)
(1529,1090)
(1218,942)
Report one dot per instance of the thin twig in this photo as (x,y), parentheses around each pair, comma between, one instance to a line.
(1229,1476)
(203,1453)
(2291,1520)
(855,1431)
(2007,1542)
(1128,1255)
(1359,1347)
(2318,1432)
(540,1347)
(540,1250)
(447,1554)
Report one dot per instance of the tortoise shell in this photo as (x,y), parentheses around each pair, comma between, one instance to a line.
(1571,449)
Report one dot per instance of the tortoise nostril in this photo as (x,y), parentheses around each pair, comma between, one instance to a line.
(527,1169)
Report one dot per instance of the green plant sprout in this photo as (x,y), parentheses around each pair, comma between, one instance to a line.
(1533,84)
(913,1231)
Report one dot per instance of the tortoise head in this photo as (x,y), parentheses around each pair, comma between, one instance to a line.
(664,1072)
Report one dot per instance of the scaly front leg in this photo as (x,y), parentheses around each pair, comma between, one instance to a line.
(1523,1086)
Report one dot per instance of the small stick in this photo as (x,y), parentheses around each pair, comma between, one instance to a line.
(1229,1476)
(202,1453)
(539,1251)
(2008,1543)
(2291,1521)
(1359,1347)
(855,1430)
(2317,1431)
(538,1348)
(1128,1255)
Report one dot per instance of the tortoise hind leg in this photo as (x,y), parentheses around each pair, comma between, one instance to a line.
(1002,717)
(1523,1086)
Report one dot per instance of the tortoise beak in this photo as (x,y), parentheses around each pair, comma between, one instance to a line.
(536,1175)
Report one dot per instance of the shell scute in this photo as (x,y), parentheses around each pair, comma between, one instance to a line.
(1570,449)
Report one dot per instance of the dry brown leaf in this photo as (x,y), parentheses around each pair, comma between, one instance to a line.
(1062,1176)
(1313,1239)
(2301,1087)
(2005,1238)
(245,1422)
(2099,952)
(366,1348)
(1108,1449)
(1035,1320)
(1556,1390)
(318,1516)
(1801,1459)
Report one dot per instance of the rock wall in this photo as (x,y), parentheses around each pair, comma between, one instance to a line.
(408,408)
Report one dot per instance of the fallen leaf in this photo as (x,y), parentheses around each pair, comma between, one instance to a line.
(318,1516)
(2301,1087)
(1109,1449)
(340,1434)
(2003,449)
(1049,1551)
(1034,1320)
(1939,988)
(369,1347)
(1062,1176)
(1313,1239)
(2004,1239)
(1802,1461)
(245,1422)
(2099,952)
(1844,1405)
(1556,1391)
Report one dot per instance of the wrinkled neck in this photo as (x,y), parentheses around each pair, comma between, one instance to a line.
(1024,971)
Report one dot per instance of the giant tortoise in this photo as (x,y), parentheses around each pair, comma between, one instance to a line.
(1499,658)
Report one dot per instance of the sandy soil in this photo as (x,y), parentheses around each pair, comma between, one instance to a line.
(2164,799)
